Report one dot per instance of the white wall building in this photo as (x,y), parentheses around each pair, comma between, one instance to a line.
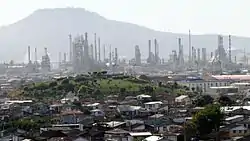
(183,99)
(153,105)
(203,84)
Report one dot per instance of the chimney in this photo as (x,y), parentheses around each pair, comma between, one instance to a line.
(104,53)
(70,48)
(35,55)
(116,56)
(230,49)
(156,57)
(29,54)
(199,54)
(110,54)
(60,58)
(189,46)
(99,49)
(64,57)
(95,48)
(149,50)
(46,51)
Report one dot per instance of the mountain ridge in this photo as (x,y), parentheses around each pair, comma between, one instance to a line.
(50,28)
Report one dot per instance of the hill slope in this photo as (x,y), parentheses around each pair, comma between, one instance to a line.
(50,28)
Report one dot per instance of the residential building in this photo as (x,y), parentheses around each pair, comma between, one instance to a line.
(154,105)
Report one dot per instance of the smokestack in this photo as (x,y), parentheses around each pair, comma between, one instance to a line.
(149,49)
(220,46)
(95,49)
(86,49)
(116,56)
(212,54)
(189,46)
(204,55)
(60,58)
(199,54)
(70,48)
(64,57)
(230,49)
(193,54)
(99,49)
(86,36)
(92,51)
(29,54)
(110,54)
(35,55)
(156,57)
(104,53)
(46,51)
(179,43)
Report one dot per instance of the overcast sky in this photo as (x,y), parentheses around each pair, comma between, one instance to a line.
(201,16)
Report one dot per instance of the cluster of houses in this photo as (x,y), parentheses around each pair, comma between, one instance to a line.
(134,118)
(139,117)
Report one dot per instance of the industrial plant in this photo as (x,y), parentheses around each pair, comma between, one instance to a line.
(84,56)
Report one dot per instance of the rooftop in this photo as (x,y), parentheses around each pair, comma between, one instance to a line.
(138,134)
(153,102)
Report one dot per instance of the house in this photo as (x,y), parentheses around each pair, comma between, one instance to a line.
(93,134)
(174,136)
(71,117)
(153,138)
(234,119)
(129,111)
(56,108)
(70,97)
(138,135)
(154,105)
(94,106)
(97,113)
(143,97)
(116,134)
(115,124)
(239,130)
(183,100)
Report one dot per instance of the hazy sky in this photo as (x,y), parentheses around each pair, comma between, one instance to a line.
(201,16)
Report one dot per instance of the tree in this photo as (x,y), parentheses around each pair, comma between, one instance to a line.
(208,119)
(203,100)
(52,84)
(225,101)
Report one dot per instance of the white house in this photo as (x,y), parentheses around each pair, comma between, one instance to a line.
(94,106)
(183,99)
(154,105)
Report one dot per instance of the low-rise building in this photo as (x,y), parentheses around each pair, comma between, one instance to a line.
(183,99)
(154,105)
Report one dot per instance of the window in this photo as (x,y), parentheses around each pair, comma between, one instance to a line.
(245,131)
(216,84)
(234,131)
(239,131)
